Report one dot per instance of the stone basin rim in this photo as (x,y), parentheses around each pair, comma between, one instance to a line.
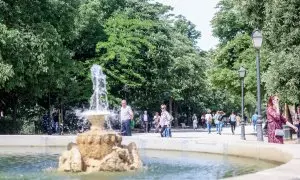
(287,153)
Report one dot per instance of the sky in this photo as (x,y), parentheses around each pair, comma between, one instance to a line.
(199,12)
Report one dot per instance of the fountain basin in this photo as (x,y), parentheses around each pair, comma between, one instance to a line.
(34,163)
(287,155)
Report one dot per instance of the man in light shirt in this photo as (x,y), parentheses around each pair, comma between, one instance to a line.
(126,116)
(145,120)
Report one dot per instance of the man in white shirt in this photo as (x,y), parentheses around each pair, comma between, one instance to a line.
(126,116)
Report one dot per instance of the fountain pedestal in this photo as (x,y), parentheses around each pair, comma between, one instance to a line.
(101,150)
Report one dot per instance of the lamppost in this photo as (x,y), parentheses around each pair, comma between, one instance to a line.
(242,74)
(257,39)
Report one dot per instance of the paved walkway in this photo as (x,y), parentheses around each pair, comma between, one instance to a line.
(198,141)
(203,134)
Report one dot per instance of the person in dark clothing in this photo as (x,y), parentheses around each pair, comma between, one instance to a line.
(55,119)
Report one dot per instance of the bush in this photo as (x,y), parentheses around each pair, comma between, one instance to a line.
(8,126)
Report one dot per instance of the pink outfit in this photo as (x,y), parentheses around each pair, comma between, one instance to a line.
(275,121)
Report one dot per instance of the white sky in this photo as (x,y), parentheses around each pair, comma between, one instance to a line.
(199,12)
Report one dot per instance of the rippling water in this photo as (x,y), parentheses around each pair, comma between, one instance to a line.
(40,163)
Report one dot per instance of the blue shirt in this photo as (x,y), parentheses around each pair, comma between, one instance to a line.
(254,117)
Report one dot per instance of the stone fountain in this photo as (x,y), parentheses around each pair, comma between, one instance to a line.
(99,149)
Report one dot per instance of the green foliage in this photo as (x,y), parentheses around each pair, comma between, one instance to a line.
(229,21)
(279,55)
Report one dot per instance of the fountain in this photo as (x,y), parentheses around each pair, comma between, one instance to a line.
(99,149)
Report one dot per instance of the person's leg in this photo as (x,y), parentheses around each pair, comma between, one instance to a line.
(162,131)
(207,126)
(231,126)
(128,128)
(217,128)
(234,125)
(123,128)
(146,123)
(254,125)
(220,127)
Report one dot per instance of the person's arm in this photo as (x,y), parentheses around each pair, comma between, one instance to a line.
(131,114)
(292,126)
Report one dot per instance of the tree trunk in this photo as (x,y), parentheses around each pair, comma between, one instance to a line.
(170,105)
(14,115)
(61,119)
(175,115)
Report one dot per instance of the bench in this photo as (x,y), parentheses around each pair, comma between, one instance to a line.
(184,126)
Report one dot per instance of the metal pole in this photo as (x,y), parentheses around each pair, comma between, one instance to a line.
(243,137)
(259,121)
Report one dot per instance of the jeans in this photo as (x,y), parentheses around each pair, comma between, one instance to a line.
(208,127)
(126,130)
(233,124)
(254,125)
(162,130)
(220,126)
(217,127)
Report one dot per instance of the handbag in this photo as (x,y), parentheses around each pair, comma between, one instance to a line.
(279,132)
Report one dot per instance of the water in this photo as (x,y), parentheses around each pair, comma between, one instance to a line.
(98,100)
(40,163)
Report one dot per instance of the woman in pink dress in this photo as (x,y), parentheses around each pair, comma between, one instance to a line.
(275,120)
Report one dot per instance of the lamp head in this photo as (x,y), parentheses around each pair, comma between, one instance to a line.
(257,39)
(242,72)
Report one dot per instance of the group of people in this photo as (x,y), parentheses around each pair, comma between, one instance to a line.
(219,121)
(162,121)
(275,121)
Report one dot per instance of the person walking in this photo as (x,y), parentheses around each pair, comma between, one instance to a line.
(216,120)
(195,122)
(208,119)
(203,121)
(238,119)
(126,115)
(165,121)
(232,118)
(254,120)
(275,121)
(156,122)
(145,119)
(220,119)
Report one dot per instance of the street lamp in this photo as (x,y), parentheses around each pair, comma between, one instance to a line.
(257,39)
(242,74)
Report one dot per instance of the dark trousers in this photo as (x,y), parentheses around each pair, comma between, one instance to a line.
(162,130)
(232,124)
(146,126)
(298,133)
(126,130)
